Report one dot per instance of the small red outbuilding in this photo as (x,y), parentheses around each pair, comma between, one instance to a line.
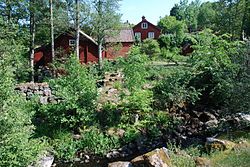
(65,44)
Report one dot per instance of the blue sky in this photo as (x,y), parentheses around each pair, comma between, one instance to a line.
(133,10)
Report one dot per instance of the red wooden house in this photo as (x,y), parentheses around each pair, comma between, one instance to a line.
(65,44)
(145,29)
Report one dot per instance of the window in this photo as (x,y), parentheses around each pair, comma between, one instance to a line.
(144,25)
(72,42)
(151,35)
(138,36)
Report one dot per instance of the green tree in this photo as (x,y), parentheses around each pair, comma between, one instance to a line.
(104,20)
(230,16)
(206,16)
(176,29)
(246,18)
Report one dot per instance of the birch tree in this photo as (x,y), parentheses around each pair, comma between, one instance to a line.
(105,20)
(77,24)
(32,37)
(52,30)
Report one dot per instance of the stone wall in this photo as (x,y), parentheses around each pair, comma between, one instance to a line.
(42,90)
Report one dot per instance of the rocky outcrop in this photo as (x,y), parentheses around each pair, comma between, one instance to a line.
(42,90)
(155,158)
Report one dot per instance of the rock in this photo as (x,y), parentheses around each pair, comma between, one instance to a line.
(117,132)
(120,164)
(212,124)
(155,158)
(244,118)
(213,144)
(202,162)
(77,136)
(43,100)
(138,160)
(113,154)
(46,161)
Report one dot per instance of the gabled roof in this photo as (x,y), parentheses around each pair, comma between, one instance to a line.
(145,20)
(124,35)
(88,37)
(72,31)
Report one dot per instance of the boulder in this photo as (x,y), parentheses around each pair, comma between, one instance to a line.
(116,131)
(120,164)
(45,161)
(155,158)
(202,162)
(212,124)
(213,144)
(138,160)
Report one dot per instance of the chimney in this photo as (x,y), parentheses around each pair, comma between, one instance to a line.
(143,18)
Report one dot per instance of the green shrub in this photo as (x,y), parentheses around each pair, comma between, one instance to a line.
(78,93)
(151,48)
(17,145)
(64,147)
(139,100)
(134,68)
(131,134)
(214,70)
(174,90)
(95,141)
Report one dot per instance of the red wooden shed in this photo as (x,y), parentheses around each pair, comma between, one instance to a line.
(65,44)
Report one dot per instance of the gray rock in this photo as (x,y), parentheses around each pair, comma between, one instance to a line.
(43,100)
(46,161)
(212,124)
(120,164)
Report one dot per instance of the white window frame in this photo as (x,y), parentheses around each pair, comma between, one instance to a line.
(151,35)
(138,35)
(144,25)
(72,42)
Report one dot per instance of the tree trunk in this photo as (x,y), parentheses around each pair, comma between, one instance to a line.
(52,31)
(77,30)
(100,54)
(32,39)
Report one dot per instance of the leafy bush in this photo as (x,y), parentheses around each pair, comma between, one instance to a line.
(96,142)
(139,100)
(64,147)
(151,48)
(17,146)
(77,91)
(174,90)
(134,68)
(214,70)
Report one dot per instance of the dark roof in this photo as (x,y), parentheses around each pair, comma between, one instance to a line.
(124,35)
